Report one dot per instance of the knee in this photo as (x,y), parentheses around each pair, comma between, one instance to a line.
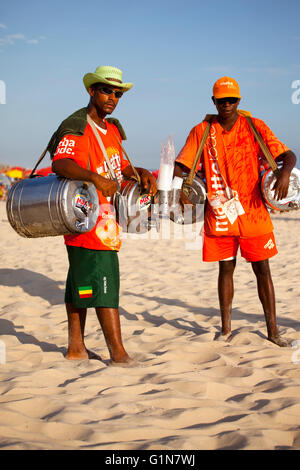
(226,268)
(261,268)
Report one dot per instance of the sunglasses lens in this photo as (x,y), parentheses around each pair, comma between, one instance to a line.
(230,100)
(105,90)
(108,91)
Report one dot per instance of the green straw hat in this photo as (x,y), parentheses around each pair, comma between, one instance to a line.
(106,74)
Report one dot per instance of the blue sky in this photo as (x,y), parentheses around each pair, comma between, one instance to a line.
(172,51)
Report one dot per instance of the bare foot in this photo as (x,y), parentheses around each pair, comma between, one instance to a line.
(81,355)
(283,343)
(124,361)
(224,337)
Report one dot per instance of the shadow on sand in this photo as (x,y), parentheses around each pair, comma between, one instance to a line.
(34,284)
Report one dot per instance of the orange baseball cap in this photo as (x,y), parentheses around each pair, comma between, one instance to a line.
(226,87)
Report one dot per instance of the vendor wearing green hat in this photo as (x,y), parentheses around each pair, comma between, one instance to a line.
(93,277)
(108,75)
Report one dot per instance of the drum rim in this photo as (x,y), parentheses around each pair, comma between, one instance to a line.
(283,207)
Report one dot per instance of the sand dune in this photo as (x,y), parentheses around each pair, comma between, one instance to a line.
(187,390)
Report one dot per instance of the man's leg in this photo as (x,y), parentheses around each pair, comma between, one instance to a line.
(109,320)
(226,291)
(266,295)
(76,325)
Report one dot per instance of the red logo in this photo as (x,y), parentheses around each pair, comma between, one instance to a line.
(81,201)
(144,201)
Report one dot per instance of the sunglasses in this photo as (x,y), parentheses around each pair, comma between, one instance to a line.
(108,91)
(230,100)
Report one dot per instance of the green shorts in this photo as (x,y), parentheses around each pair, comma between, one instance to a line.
(93,278)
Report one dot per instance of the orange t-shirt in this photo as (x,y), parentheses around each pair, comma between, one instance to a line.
(232,163)
(106,233)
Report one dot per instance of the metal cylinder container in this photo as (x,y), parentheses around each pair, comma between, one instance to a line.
(133,207)
(52,205)
(291,201)
(197,196)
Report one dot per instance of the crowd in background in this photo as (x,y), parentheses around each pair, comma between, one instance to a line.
(11,174)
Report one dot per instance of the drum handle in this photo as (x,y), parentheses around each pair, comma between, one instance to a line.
(103,149)
(263,146)
(86,183)
(38,162)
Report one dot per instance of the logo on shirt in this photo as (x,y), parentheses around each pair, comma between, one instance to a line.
(65,146)
(216,182)
(115,161)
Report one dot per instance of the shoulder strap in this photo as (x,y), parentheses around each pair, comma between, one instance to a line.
(103,149)
(190,178)
(38,162)
(137,176)
(262,145)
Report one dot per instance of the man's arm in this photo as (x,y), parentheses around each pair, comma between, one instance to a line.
(147,179)
(179,169)
(70,169)
(281,185)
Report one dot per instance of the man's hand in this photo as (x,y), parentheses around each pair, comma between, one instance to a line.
(281,185)
(107,186)
(70,169)
(184,200)
(148,182)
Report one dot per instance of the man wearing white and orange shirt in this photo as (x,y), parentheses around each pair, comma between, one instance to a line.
(235,214)
(93,277)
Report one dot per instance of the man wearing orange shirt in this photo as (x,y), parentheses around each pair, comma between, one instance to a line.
(235,214)
(93,277)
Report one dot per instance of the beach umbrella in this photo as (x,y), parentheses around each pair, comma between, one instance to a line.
(15,173)
(44,171)
(17,168)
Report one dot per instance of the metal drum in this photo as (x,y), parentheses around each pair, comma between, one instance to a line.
(196,194)
(133,207)
(52,205)
(292,201)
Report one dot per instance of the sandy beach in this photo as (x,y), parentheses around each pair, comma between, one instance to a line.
(187,390)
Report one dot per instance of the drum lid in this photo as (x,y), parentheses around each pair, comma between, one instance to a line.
(81,206)
(195,213)
(133,207)
(291,201)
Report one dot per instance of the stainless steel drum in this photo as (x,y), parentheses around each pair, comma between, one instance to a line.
(196,193)
(292,200)
(52,205)
(133,207)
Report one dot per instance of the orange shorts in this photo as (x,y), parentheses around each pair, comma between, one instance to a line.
(252,249)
